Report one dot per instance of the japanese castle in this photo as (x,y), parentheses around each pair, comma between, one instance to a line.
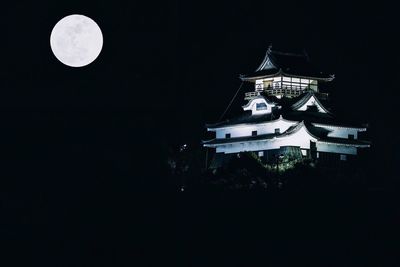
(287,110)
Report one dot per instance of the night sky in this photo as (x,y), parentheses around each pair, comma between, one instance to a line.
(79,147)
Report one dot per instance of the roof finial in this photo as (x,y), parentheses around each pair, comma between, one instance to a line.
(306,54)
(269,48)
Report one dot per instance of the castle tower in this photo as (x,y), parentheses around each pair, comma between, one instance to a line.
(271,124)
(285,74)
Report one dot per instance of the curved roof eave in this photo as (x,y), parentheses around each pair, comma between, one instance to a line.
(304,100)
(259,96)
(297,128)
(246,124)
(280,72)
(319,124)
(343,144)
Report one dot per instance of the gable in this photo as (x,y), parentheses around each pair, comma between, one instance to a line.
(266,64)
(259,105)
(309,102)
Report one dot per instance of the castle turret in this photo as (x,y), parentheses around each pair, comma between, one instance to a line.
(285,74)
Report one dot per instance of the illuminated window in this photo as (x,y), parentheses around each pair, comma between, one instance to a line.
(228,135)
(260,153)
(261,106)
(267,84)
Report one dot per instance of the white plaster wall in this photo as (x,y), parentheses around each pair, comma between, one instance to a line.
(259,81)
(301,139)
(245,130)
(343,133)
(259,85)
(314,85)
(334,148)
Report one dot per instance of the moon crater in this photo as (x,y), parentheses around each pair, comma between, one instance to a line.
(76,40)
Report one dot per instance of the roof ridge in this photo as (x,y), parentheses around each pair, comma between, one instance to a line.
(267,62)
(287,53)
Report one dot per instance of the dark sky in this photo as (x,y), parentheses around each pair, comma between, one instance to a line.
(167,68)
(76,142)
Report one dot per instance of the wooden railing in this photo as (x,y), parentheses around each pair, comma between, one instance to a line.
(250,95)
(285,90)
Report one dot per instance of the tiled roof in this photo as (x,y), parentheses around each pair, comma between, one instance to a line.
(291,130)
(240,139)
(344,141)
(304,100)
(280,63)
(320,134)
(246,117)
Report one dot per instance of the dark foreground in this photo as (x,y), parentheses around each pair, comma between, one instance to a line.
(109,227)
(84,199)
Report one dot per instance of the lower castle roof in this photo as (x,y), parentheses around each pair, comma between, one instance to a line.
(306,116)
(240,139)
(246,117)
(288,111)
(319,133)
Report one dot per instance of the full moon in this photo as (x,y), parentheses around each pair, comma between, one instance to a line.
(76,40)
